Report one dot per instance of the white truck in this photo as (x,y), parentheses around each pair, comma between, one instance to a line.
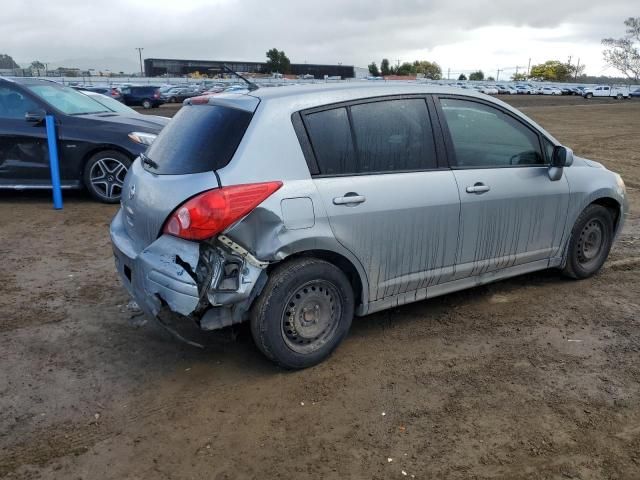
(606,91)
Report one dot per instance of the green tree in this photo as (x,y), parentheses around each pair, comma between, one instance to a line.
(37,66)
(554,71)
(373,69)
(623,54)
(491,79)
(6,62)
(462,77)
(479,75)
(277,61)
(384,67)
(519,77)
(405,69)
(430,70)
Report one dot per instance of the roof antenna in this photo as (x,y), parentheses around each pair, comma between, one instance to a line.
(252,86)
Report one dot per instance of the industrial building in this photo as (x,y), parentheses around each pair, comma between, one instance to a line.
(157,67)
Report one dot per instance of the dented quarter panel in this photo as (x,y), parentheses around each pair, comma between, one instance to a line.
(263,231)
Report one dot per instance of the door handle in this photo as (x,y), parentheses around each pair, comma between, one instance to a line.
(478,187)
(350,198)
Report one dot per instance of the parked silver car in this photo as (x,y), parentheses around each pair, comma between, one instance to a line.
(297,207)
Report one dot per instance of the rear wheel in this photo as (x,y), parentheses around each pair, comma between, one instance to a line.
(146,104)
(303,313)
(172,100)
(104,175)
(590,242)
(619,96)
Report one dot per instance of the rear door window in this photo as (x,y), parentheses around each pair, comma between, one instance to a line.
(374,137)
(332,141)
(199,138)
(393,135)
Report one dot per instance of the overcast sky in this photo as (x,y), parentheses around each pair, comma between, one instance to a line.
(460,35)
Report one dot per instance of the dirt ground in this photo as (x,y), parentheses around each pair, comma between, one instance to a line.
(537,377)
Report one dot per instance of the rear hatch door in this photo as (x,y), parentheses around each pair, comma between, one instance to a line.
(181,163)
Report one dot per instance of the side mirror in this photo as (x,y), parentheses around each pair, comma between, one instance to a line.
(562,157)
(36,116)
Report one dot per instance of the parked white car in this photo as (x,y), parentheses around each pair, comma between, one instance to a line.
(549,91)
(524,90)
(506,89)
(487,89)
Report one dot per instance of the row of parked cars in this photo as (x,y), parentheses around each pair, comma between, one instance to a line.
(520,89)
(529,89)
(149,96)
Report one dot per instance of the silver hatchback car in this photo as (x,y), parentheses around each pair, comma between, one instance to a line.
(297,207)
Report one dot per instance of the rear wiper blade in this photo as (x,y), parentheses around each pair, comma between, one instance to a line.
(250,85)
(147,161)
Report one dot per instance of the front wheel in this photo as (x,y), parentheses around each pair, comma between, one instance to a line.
(104,175)
(590,242)
(303,313)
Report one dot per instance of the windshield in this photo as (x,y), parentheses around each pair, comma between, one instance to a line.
(67,100)
(111,104)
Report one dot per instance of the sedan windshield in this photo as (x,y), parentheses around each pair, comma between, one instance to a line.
(110,103)
(67,100)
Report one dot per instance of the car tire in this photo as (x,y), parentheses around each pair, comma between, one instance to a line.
(303,313)
(590,242)
(589,95)
(104,175)
(619,96)
(172,100)
(146,104)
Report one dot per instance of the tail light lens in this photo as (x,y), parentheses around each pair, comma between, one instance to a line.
(156,94)
(210,212)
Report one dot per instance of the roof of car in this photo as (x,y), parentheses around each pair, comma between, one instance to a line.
(300,97)
(356,89)
(28,81)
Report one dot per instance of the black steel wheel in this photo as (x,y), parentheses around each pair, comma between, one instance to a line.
(303,313)
(310,316)
(590,242)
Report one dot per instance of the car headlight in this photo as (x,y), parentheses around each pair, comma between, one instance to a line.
(620,183)
(143,138)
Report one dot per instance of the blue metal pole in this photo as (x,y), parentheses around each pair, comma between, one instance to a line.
(54,163)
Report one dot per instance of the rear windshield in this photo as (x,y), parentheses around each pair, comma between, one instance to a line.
(199,138)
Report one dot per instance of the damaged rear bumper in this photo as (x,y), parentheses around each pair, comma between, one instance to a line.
(213,283)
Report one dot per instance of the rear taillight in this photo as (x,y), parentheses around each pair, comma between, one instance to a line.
(156,94)
(210,212)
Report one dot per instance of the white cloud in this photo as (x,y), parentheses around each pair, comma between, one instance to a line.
(461,35)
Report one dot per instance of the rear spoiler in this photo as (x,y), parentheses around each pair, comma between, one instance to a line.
(240,101)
